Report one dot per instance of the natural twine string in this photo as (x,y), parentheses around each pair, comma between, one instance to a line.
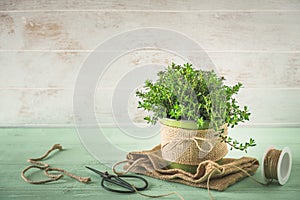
(45,167)
(194,139)
(216,169)
(184,146)
(133,164)
(270,167)
(271,163)
(270,170)
(136,162)
(158,196)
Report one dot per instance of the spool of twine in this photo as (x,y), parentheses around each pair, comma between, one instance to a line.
(277,165)
(190,147)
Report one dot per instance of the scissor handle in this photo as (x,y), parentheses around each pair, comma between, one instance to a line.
(117,180)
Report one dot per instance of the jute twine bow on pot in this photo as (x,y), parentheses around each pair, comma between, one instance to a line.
(46,168)
(191,147)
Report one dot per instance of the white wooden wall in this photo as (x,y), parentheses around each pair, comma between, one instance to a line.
(44,43)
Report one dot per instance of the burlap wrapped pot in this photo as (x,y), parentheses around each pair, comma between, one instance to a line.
(191,146)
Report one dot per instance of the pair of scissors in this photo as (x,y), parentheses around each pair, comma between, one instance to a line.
(119,181)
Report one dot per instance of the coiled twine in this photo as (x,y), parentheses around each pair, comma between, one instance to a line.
(277,165)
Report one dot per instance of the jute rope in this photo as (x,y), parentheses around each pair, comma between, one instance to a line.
(46,168)
(159,196)
(242,170)
(216,169)
(271,164)
(133,164)
(270,169)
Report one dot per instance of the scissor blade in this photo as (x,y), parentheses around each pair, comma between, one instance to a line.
(96,171)
(120,182)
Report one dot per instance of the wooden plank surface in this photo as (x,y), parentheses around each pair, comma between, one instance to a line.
(60,69)
(19,144)
(43,46)
(31,107)
(132,5)
(214,31)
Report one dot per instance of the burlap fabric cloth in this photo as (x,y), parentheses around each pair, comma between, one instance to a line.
(216,176)
(190,147)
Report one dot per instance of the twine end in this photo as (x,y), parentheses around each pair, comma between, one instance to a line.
(57,146)
(85,179)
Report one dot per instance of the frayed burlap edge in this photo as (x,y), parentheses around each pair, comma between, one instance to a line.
(220,175)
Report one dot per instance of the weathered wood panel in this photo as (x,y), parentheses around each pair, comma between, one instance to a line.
(60,69)
(156,5)
(37,107)
(216,31)
(43,46)
(19,144)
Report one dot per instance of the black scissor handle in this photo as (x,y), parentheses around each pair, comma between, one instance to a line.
(137,177)
(117,180)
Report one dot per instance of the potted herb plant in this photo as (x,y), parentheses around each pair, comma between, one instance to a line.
(195,108)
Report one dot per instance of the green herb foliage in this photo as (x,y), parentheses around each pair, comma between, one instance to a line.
(185,93)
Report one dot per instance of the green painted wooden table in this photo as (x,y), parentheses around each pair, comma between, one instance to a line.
(19,144)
